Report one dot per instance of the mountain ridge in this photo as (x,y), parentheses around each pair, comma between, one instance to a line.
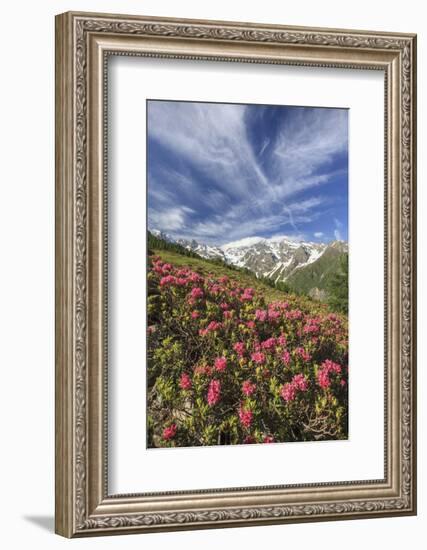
(278,258)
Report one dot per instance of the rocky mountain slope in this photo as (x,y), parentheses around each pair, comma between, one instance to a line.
(305,266)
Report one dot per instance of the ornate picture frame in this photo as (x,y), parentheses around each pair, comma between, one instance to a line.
(84,42)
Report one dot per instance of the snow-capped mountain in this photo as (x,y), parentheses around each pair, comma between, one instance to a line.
(203,250)
(277,258)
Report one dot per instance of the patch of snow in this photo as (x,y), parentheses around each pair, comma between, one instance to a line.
(248,241)
(277,251)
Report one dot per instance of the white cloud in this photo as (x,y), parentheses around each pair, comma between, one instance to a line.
(337,233)
(172,219)
(305,205)
(264,146)
(212,137)
(248,241)
(250,195)
(318,234)
(307,143)
(296,237)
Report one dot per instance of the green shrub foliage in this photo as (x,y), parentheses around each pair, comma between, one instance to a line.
(226,366)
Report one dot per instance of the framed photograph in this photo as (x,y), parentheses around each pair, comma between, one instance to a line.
(235,274)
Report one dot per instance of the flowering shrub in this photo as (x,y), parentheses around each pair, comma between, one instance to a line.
(226,367)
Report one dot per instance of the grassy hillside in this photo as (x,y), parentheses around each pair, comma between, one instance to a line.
(233,361)
(318,274)
(154,243)
(312,281)
(204,267)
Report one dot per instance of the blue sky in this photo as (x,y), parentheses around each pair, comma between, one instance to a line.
(222,172)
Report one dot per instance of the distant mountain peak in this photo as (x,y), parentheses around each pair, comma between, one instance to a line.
(277,257)
(242,243)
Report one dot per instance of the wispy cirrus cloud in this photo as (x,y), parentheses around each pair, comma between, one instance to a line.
(337,230)
(170,219)
(221,172)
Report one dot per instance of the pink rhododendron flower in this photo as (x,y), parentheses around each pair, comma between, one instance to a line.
(214,392)
(195,278)
(286,357)
(301,352)
(220,363)
(260,341)
(323,374)
(260,315)
(288,391)
(247,295)
(273,314)
(269,344)
(300,382)
(239,348)
(196,292)
(168,280)
(157,268)
(246,417)
(331,366)
(185,381)
(258,357)
(323,378)
(312,326)
(248,387)
(213,325)
(281,340)
(294,314)
(170,432)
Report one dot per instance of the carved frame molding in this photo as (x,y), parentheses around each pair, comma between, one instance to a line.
(83,42)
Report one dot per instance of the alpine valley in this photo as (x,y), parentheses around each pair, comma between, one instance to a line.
(305,267)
